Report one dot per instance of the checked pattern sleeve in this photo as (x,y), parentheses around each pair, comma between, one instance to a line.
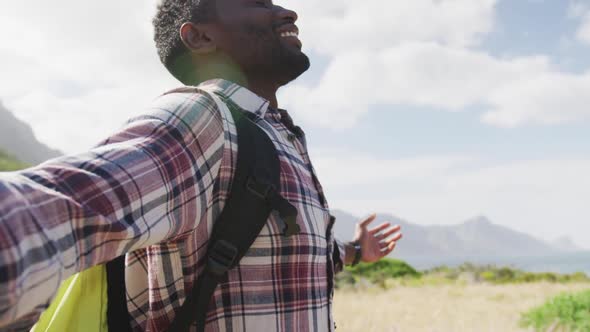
(148,183)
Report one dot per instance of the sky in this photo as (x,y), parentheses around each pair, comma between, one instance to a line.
(435,111)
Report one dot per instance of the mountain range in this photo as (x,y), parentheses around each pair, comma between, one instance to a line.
(476,237)
(17,139)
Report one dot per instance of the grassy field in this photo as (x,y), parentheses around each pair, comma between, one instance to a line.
(454,307)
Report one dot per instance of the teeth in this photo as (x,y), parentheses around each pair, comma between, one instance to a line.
(289,34)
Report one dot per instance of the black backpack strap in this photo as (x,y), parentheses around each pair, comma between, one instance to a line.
(118,318)
(253,195)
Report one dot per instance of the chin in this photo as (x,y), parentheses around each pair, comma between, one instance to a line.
(294,68)
(280,66)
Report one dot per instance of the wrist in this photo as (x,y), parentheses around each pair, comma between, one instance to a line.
(353,253)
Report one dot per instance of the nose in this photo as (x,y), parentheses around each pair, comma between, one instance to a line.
(287,14)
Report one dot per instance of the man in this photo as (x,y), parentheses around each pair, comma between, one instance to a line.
(153,190)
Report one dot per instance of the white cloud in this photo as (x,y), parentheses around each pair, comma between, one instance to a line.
(75,70)
(425,56)
(545,198)
(544,97)
(582,13)
(368,170)
(584,31)
(333,27)
(577,9)
(516,91)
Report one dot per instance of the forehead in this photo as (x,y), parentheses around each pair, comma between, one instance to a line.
(225,7)
(229,3)
(234,4)
(236,11)
(230,10)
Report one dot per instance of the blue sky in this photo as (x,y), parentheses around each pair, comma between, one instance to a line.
(545,27)
(435,111)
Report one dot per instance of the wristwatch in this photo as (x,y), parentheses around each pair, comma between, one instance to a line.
(357,252)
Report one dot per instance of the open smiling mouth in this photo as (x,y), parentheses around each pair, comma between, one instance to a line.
(292,36)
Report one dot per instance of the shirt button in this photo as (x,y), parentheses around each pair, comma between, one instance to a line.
(291,137)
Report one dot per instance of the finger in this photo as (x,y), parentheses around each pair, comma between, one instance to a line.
(388,249)
(395,238)
(379,228)
(389,231)
(388,242)
(369,220)
(383,245)
(382,237)
(386,239)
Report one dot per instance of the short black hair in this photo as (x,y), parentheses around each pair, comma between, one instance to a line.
(170,16)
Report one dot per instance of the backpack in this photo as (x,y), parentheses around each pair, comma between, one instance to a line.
(94,300)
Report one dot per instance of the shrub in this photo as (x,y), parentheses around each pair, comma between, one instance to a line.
(503,275)
(8,163)
(376,273)
(488,276)
(385,270)
(387,267)
(566,311)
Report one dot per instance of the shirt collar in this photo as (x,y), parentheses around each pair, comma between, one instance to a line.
(241,96)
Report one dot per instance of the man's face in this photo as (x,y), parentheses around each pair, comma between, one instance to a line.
(261,38)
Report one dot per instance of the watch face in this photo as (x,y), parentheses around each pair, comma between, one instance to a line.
(357,253)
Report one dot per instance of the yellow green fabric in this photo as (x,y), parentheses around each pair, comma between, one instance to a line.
(80,304)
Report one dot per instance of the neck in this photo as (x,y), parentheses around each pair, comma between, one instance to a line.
(264,89)
(223,67)
(218,67)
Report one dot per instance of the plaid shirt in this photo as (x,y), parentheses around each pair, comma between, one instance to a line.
(152,191)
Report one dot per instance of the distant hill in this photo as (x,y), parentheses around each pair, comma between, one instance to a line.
(9,163)
(477,237)
(17,139)
(565,243)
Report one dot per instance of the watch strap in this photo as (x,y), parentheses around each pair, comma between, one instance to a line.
(357,253)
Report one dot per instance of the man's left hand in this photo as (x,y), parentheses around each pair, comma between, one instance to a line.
(376,242)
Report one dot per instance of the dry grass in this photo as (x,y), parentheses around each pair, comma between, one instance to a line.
(442,308)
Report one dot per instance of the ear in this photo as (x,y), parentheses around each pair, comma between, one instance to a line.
(197,38)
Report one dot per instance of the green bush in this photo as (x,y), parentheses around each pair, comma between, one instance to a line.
(376,273)
(578,277)
(387,272)
(503,275)
(8,163)
(391,268)
(488,276)
(566,311)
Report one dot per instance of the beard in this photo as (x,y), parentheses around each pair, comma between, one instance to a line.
(269,57)
(289,62)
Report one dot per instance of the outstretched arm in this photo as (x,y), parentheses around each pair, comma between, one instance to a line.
(147,184)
